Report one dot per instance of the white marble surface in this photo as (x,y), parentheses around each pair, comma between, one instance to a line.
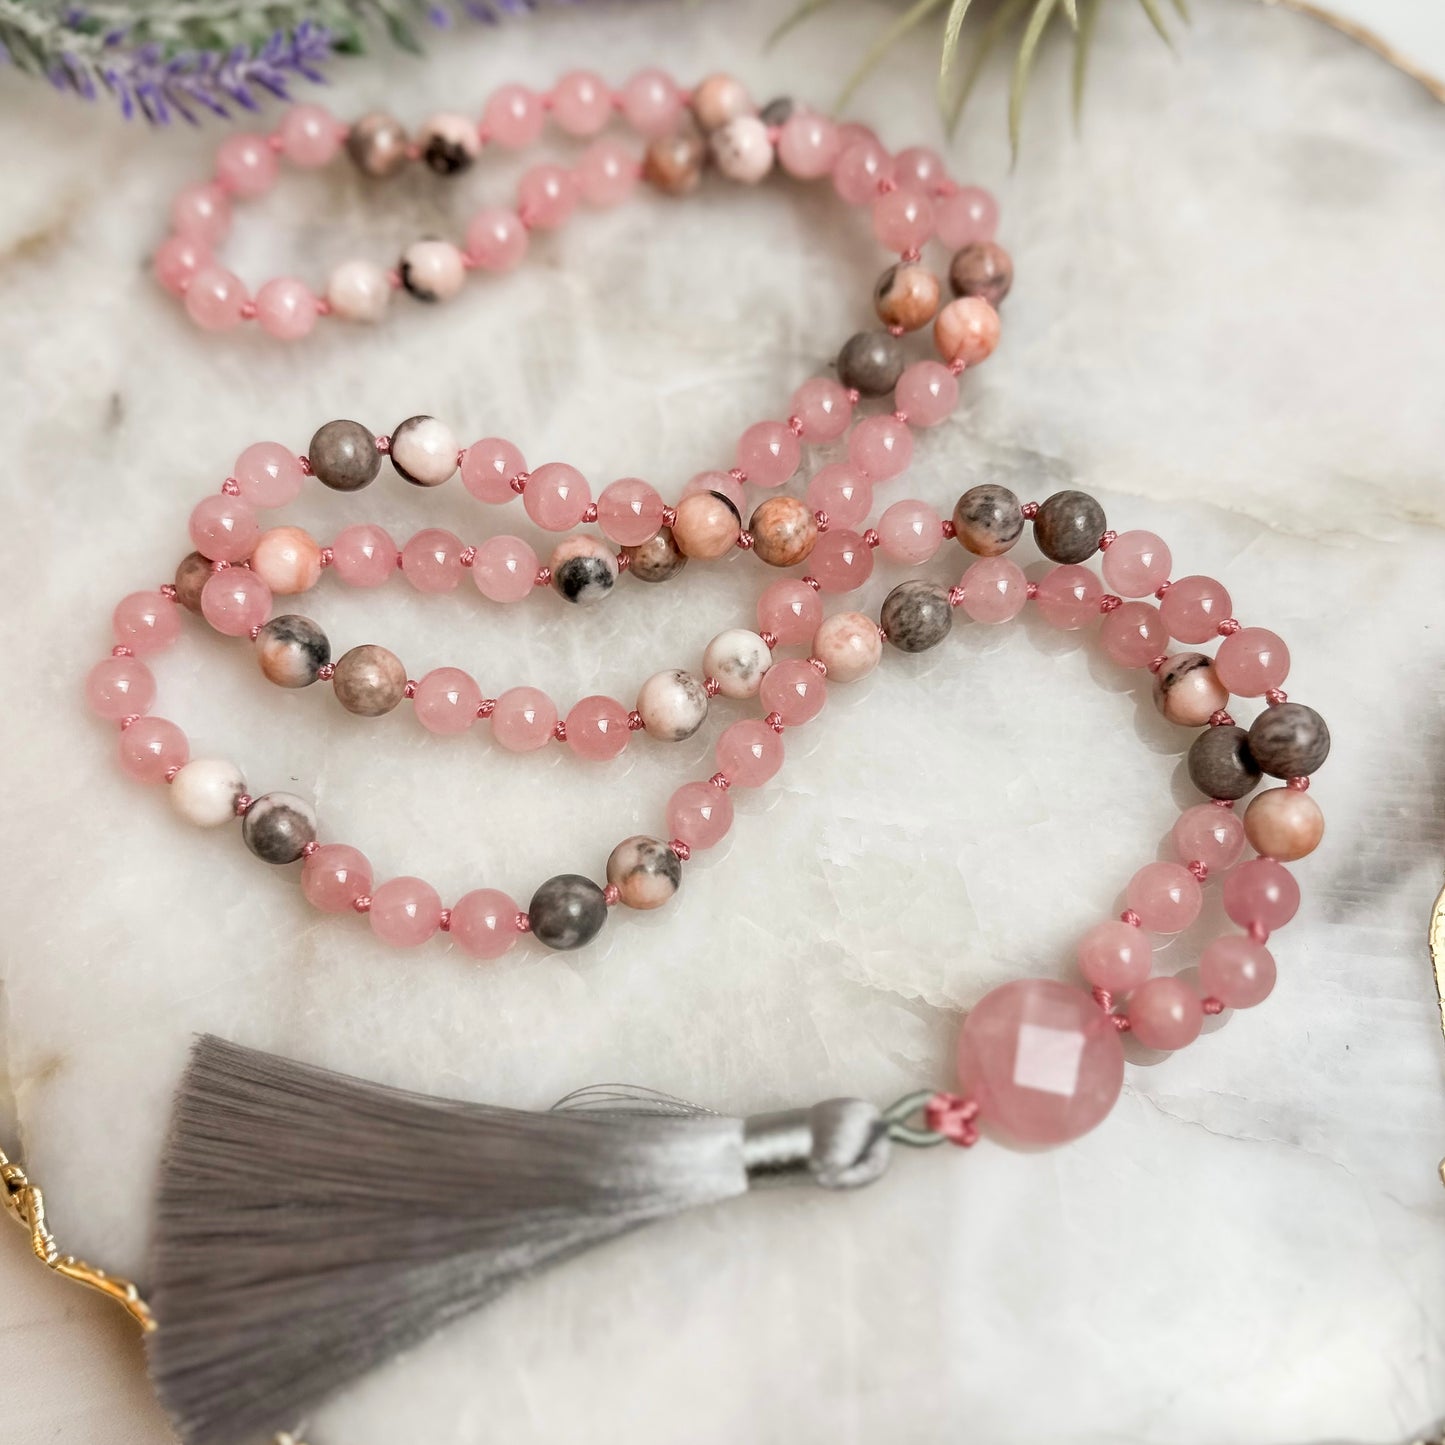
(1229,323)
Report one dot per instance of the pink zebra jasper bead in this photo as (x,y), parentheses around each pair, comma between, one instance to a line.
(881,447)
(842,493)
(556,496)
(699,815)
(1261,892)
(1136,564)
(523,719)
(447,700)
(1237,971)
(223,529)
(849,646)
(1193,608)
(1212,836)
(310,136)
(268,475)
(1042,1060)
(795,690)
(118,687)
(841,562)
(334,877)
(597,729)
(1166,896)
(790,610)
(1115,956)
(235,600)
(146,622)
(966,330)
(629,511)
(405,912)
(926,393)
(432,560)
(151,747)
(749,753)
(1284,824)
(1251,662)
(484,923)
(1068,597)
(911,531)
(1165,1013)
(214,298)
(822,406)
(363,555)
(1133,635)
(287,560)
(246,165)
(769,453)
(994,590)
(496,239)
(505,569)
(286,308)
(488,467)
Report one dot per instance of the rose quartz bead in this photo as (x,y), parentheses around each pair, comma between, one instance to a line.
(881,447)
(287,560)
(1133,635)
(150,747)
(581,102)
(556,496)
(118,687)
(849,645)
(546,196)
(1165,1013)
(1261,891)
(1115,956)
(822,405)
(1209,835)
(363,555)
(432,560)
(1252,661)
(1068,597)
(146,622)
(926,393)
(523,719)
(286,308)
(1166,896)
(994,590)
(970,214)
(405,912)
(223,528)
(749,752)
(447,700)
(1193,608)
(214,299)
(808,146)
(505,569)
(1237,971)
(235,600)
(699,815)
(902,221)
(911,531)
(497,239)
(597,728)
(651,103)
(629,511)
(334,877)
(268,475)
(1042,1060)
(488,467)
(795,690)
(841,561)
(1136,563)
(919,168)
(1284,824)
(769,453)
(966,330)
(790,610)
(177,259)
(484,923)
(202,212)
(246,165)
(310,136)
(513,116)
(853,132)
(858,170)
(607,173)
(843,493)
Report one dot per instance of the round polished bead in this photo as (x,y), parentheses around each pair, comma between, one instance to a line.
(1165,1013)
(567,911)
(749,753)
(151,748)
(881,447)
(1068,526)
(769,453)
(1068,597)
(581,102)
(583,569)
(484,923)
(1261,891)
(719,98)
(505,569)
(246,165)
(1237,971)
(920,168)
(287,560)
(651,102)
(192,573)
(432,271)
(1115,956)
(737,659)
(994,590)
(205,792)
(310,136)
(966,330)
(202,212)
(556,497)
(358,291)
(629,511)
(848,645)
(916,615)
(795,690)
(859,167)
(607,173)
(292,650)
(657,559)
(449,143)
(673,164)
(1187,691)
(906,295)
(176,261)
(405,912)
(496,239)
(724,484)
(369,680)
(823,408)
(513,116)
(1284,824)
(902,221)
(1289,741)
(546,196)
(1221,764)
(699,815)
(1166,896)
(1043,1061)
(447,700)
(286,308)
(120,687)
(424,451)
(1193,608)
(488,467)
(215,298)
(597,728)
(982,268)
(673,705)
(988,520)
(784,531)
(644,871)
(377,143)
(334,876)
(808,145)
(524,719)
(741,149)
(1252,661)
(146,622)
(871,363)
(842,493)
(910,532)
(363,555)
(343,456)
(842,561)
(278,826)
(1136,563)
(1209,835)
(268,475)
(1133,634)
(927,393)
(790,610)
(970,214)
(235,600)
(706,525)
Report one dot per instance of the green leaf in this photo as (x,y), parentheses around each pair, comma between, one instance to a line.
(952,31)
(1033,33)
(796,18)
(1071,9)
(914,15)
(990,35)
(1156,19)
(1083,44)
(1183,10)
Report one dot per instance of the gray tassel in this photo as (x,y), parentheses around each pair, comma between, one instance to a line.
(310,1225)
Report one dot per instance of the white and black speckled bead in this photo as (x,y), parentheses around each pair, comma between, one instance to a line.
(424,451)
(343,456)
(583,569)
(205,791)
(645,872)
(432,270)
(1289,741)
(278,826)
(1221,764)
(1068,527)
(738,659)
(916,615)
(292,650)
(449,143)
(673,705)
(567,911)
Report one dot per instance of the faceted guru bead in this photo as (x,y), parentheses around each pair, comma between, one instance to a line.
(916,615)
(567,911)
(1221,764)
(278,826)
(1068,527)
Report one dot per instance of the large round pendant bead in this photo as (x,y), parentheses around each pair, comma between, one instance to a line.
(292,651)
(871,363)
(645,872)
(1042,1060)
(916,616)
(1289,741)
(424,451)
(369,680)
(567,911)
(1068,527)
(583,569)
(205,791)
(278,826)
(1221,764)
(672,705)
(657,559)
(987,520)
(343,456)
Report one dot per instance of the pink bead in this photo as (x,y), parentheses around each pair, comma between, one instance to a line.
(1237,971)
(202,212)
(721,483)
(969,214)
(246,165)
(919,168)
(118,687)
(556,496)
(858,170)
(881,447)
(268,475)
(822,405)
(790,609)
(911,531)
(1261,891)
(1209,835)
(966,330)
(484,923)
(287,560)
(286,308)
(1166,896)
(1115,956)
(699,815)
(447,700)
(597,729)
(488,467)
(581,102)
(795,690)
(1136,563)
(1252,661)
(235,600)
(146,622)
(496,239)
(843,493)
(363,555)
(607,173)
(432,560)
(405,912)
(224,529)
(651,103)
(523,719)
(177,259)
(903,221)
(1042,1060)
(994,590)
(151,747)
(1193,608)
(310,136)
(546,196)
(505,569)
(1134,635)
(513,116)
(841,561)
(214,299)
(749,752)
(1068,597)
(629,511)
(926,393)
(334,877)
(1165,1013)
(808,146)
(769,453)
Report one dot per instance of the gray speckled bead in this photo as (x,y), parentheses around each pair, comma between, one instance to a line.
(567,911)
(1289,741)
(292,650)
(871,363)
(583,569)
(982,269)
(779,111)
(645,872)
(343,456)
(987,520)
(916,615)
(369,680)
(1221,764)
(278,826)
(656,559)
(1068,527)
(192,575)
(377,144)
